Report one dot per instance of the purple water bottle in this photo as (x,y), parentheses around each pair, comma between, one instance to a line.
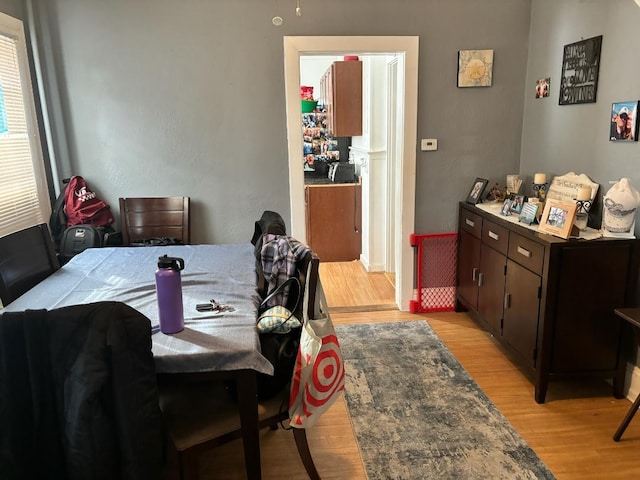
(169,290)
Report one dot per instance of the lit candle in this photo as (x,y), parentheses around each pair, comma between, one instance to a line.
(584,193)
(540,178)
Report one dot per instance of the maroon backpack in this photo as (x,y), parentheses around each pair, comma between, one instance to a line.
(83,207)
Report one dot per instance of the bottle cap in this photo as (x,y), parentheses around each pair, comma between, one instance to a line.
(174,263)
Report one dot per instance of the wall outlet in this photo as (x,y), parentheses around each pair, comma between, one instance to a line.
(427,144)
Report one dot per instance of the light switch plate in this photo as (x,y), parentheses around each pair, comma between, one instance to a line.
(427,144)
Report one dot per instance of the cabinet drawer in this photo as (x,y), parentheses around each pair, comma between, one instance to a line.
(495,236)
(471,222)
(526,252)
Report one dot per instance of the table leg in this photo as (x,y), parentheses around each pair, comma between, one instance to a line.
(627,419)
(248,406)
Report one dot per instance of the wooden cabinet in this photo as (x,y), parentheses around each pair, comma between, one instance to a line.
(549,301)
(341,87)
(333,220)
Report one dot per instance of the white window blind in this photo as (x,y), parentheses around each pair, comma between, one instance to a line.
(24,197)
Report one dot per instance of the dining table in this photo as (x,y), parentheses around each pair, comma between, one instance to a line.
(222,343)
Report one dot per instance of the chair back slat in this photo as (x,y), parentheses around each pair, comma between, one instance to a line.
(155,217)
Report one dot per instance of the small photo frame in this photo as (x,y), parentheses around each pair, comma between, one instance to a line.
(558,217)
(542,87)
(506,207)
(475,194)
(624,122)
(517,202)
(475,68)
(528,213)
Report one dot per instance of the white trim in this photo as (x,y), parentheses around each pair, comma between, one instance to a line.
(404,47)
(633,379)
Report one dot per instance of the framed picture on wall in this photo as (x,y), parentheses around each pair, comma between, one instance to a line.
(580,68)
(475,68)
(624,122)
(542,87)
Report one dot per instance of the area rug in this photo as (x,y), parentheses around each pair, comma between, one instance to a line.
(417,414)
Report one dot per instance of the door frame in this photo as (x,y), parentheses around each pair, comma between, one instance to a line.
(405,47)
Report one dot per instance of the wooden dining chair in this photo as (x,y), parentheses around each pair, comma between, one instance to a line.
(199,416)
(26,258)
(144,218)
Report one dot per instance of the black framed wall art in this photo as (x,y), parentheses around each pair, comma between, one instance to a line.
(580,68)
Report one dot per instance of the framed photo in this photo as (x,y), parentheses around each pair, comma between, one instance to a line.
(580,67)
(517,202)
(624,122)
(528,213)
(475,68)
(542,87)
(506,207)
(475,194)
(557,217)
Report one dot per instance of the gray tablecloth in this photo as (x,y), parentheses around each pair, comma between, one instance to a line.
(210,341)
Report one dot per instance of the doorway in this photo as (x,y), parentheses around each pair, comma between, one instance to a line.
(403,188)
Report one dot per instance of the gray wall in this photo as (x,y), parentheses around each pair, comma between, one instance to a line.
(12,7)
(561,138)
(171,98)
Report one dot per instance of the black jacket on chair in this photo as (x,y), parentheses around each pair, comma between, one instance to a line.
(78,394)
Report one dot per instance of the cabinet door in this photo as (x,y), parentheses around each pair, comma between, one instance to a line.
(521,308)
(468,268)
(491,288)
(334,230)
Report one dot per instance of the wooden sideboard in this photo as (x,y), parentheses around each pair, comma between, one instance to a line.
(550,302)
(333,220)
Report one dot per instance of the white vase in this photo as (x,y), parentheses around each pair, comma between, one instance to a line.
(619,210)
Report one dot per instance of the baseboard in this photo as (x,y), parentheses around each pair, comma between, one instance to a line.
(633,380)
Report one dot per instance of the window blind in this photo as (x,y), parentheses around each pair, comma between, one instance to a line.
(24,197)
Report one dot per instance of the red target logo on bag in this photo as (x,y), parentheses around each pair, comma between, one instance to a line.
(318,378)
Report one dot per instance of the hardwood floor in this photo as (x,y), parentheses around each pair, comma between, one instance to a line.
(350,288)
(571,432)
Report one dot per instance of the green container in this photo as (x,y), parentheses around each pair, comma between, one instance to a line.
(309,106)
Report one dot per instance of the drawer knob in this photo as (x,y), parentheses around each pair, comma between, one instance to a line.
(494,235)
(471,223)
(524,252)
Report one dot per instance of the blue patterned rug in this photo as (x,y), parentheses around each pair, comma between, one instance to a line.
(417,414)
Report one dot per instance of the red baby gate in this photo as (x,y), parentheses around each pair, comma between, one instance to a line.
(436,275)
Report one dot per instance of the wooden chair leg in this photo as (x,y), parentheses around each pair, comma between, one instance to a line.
(300,435)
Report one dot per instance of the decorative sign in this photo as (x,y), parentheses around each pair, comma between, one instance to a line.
(580,67)
(565,187)
(528,213)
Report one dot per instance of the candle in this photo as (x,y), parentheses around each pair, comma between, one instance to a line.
(584,193)
(540,178)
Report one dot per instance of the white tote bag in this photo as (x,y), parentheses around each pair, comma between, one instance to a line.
(318,377)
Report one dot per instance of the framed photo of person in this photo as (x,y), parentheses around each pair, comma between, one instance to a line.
(475,194)
(506,207)
(624,122)
(558,217)
(517,201)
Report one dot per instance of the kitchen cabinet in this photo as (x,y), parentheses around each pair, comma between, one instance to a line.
(547,300)
(333,221)
(341,87)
